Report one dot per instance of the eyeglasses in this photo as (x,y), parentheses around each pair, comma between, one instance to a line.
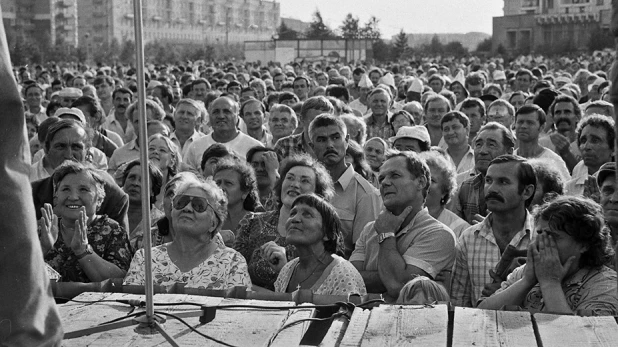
(199,204)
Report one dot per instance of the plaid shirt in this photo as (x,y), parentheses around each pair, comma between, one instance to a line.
(290,145)
(477,253)
(384,131)
(471,199)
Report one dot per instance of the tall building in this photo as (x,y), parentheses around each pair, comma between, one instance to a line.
(529,24)
(44,20)
(179,21)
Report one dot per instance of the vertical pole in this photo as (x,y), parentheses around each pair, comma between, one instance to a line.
(613,93)
(143,151)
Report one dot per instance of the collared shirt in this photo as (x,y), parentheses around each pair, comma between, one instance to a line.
(467,161)
(453,221)
(240,145)
(545,141)
(357,203)
(576,185)
(384,131)
(185,148)
(124,154)
(40,116)
(477,253)
(290,145)
(112,124)
(470,199)
(267,138)
(354,90)
(466,175)
(424,243)
(38,171)
(94,156)
(590,290)
(356,104)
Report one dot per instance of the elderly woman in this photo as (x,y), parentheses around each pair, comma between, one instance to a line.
(89,247)
(565,269)
(131,183)
(315,230)
(442,188)
(400,119)
(237,179)
(164,228)
(195,257)
(263,235)
(165,154)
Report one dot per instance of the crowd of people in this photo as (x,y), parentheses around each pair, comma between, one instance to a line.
(483,184)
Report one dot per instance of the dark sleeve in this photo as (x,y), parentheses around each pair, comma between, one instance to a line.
(244,243)
(28,315)
(116,203)
(106,145)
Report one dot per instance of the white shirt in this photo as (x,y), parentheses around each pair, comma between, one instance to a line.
(555,160)
(240,145)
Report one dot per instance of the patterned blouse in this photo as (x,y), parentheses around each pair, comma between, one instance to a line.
(339,278)
(590,290)
(253,231)
(224,269)
(108,240)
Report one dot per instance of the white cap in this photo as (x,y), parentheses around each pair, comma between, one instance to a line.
(417,132)
(416,86)
(365,82)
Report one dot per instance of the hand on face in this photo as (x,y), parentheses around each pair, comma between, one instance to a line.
(387,222)
(547,265)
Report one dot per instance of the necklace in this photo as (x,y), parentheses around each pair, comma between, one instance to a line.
(306,278)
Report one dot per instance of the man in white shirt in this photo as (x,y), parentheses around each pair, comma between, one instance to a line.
(187,115)
(223,119)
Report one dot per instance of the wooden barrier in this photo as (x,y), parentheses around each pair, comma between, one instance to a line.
(385,325)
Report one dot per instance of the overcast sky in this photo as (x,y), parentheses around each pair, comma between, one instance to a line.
(413,16)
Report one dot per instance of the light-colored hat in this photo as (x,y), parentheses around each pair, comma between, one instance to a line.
(387,79)
(499,75)
(595,84)
(70,92)
(154,83)
(563,79)
(461,79)
(365,82)
(417,132)
(416,86)
(73,111)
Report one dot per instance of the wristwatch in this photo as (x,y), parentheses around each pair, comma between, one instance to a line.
(88,251)
(384,236)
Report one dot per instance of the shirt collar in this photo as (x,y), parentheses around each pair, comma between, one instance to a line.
(423,212)
(485,229)
(345,178)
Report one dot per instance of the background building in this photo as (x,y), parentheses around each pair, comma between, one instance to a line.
(98,22)
(47,21)
(537,24)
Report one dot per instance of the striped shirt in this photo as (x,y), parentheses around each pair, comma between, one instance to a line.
(477,253)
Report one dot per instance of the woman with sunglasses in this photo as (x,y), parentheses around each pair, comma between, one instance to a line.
(196,256)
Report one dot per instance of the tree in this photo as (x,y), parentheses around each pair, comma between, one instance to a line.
(455,48)
(484,46)
(286,33)
(318,29)
(400,46)
(434,47)
(599,40)
(371,29)
(127,53)
(349,28)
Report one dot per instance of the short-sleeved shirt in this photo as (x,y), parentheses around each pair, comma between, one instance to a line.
(124,154)
(224,269)
(254,230)
(466,163)
(185,148)
(470,199)
(241,144)
(477,253)
(451,220)
(424,243)
(555,161)
(357,203)
(111,123)
(591,290)
(339,278)
(107,239)
(290,145)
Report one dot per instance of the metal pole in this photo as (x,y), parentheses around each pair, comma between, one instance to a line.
(143,152)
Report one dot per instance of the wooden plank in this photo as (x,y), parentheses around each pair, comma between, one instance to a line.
(356,328)
(565,331)
(240,327)
(335,333)
(475,327)
(294,334)
(411,325)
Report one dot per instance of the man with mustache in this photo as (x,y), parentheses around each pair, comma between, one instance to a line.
(509,188)
(117,121)
(356,200)
(564,112)
(595,138)
(492,141)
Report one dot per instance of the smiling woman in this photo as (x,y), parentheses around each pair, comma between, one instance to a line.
(89,247)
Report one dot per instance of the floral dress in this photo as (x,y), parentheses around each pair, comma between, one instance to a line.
(339,278)
(224,269)
(253,231)
(107,239)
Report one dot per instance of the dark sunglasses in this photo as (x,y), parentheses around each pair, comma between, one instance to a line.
(199,204)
